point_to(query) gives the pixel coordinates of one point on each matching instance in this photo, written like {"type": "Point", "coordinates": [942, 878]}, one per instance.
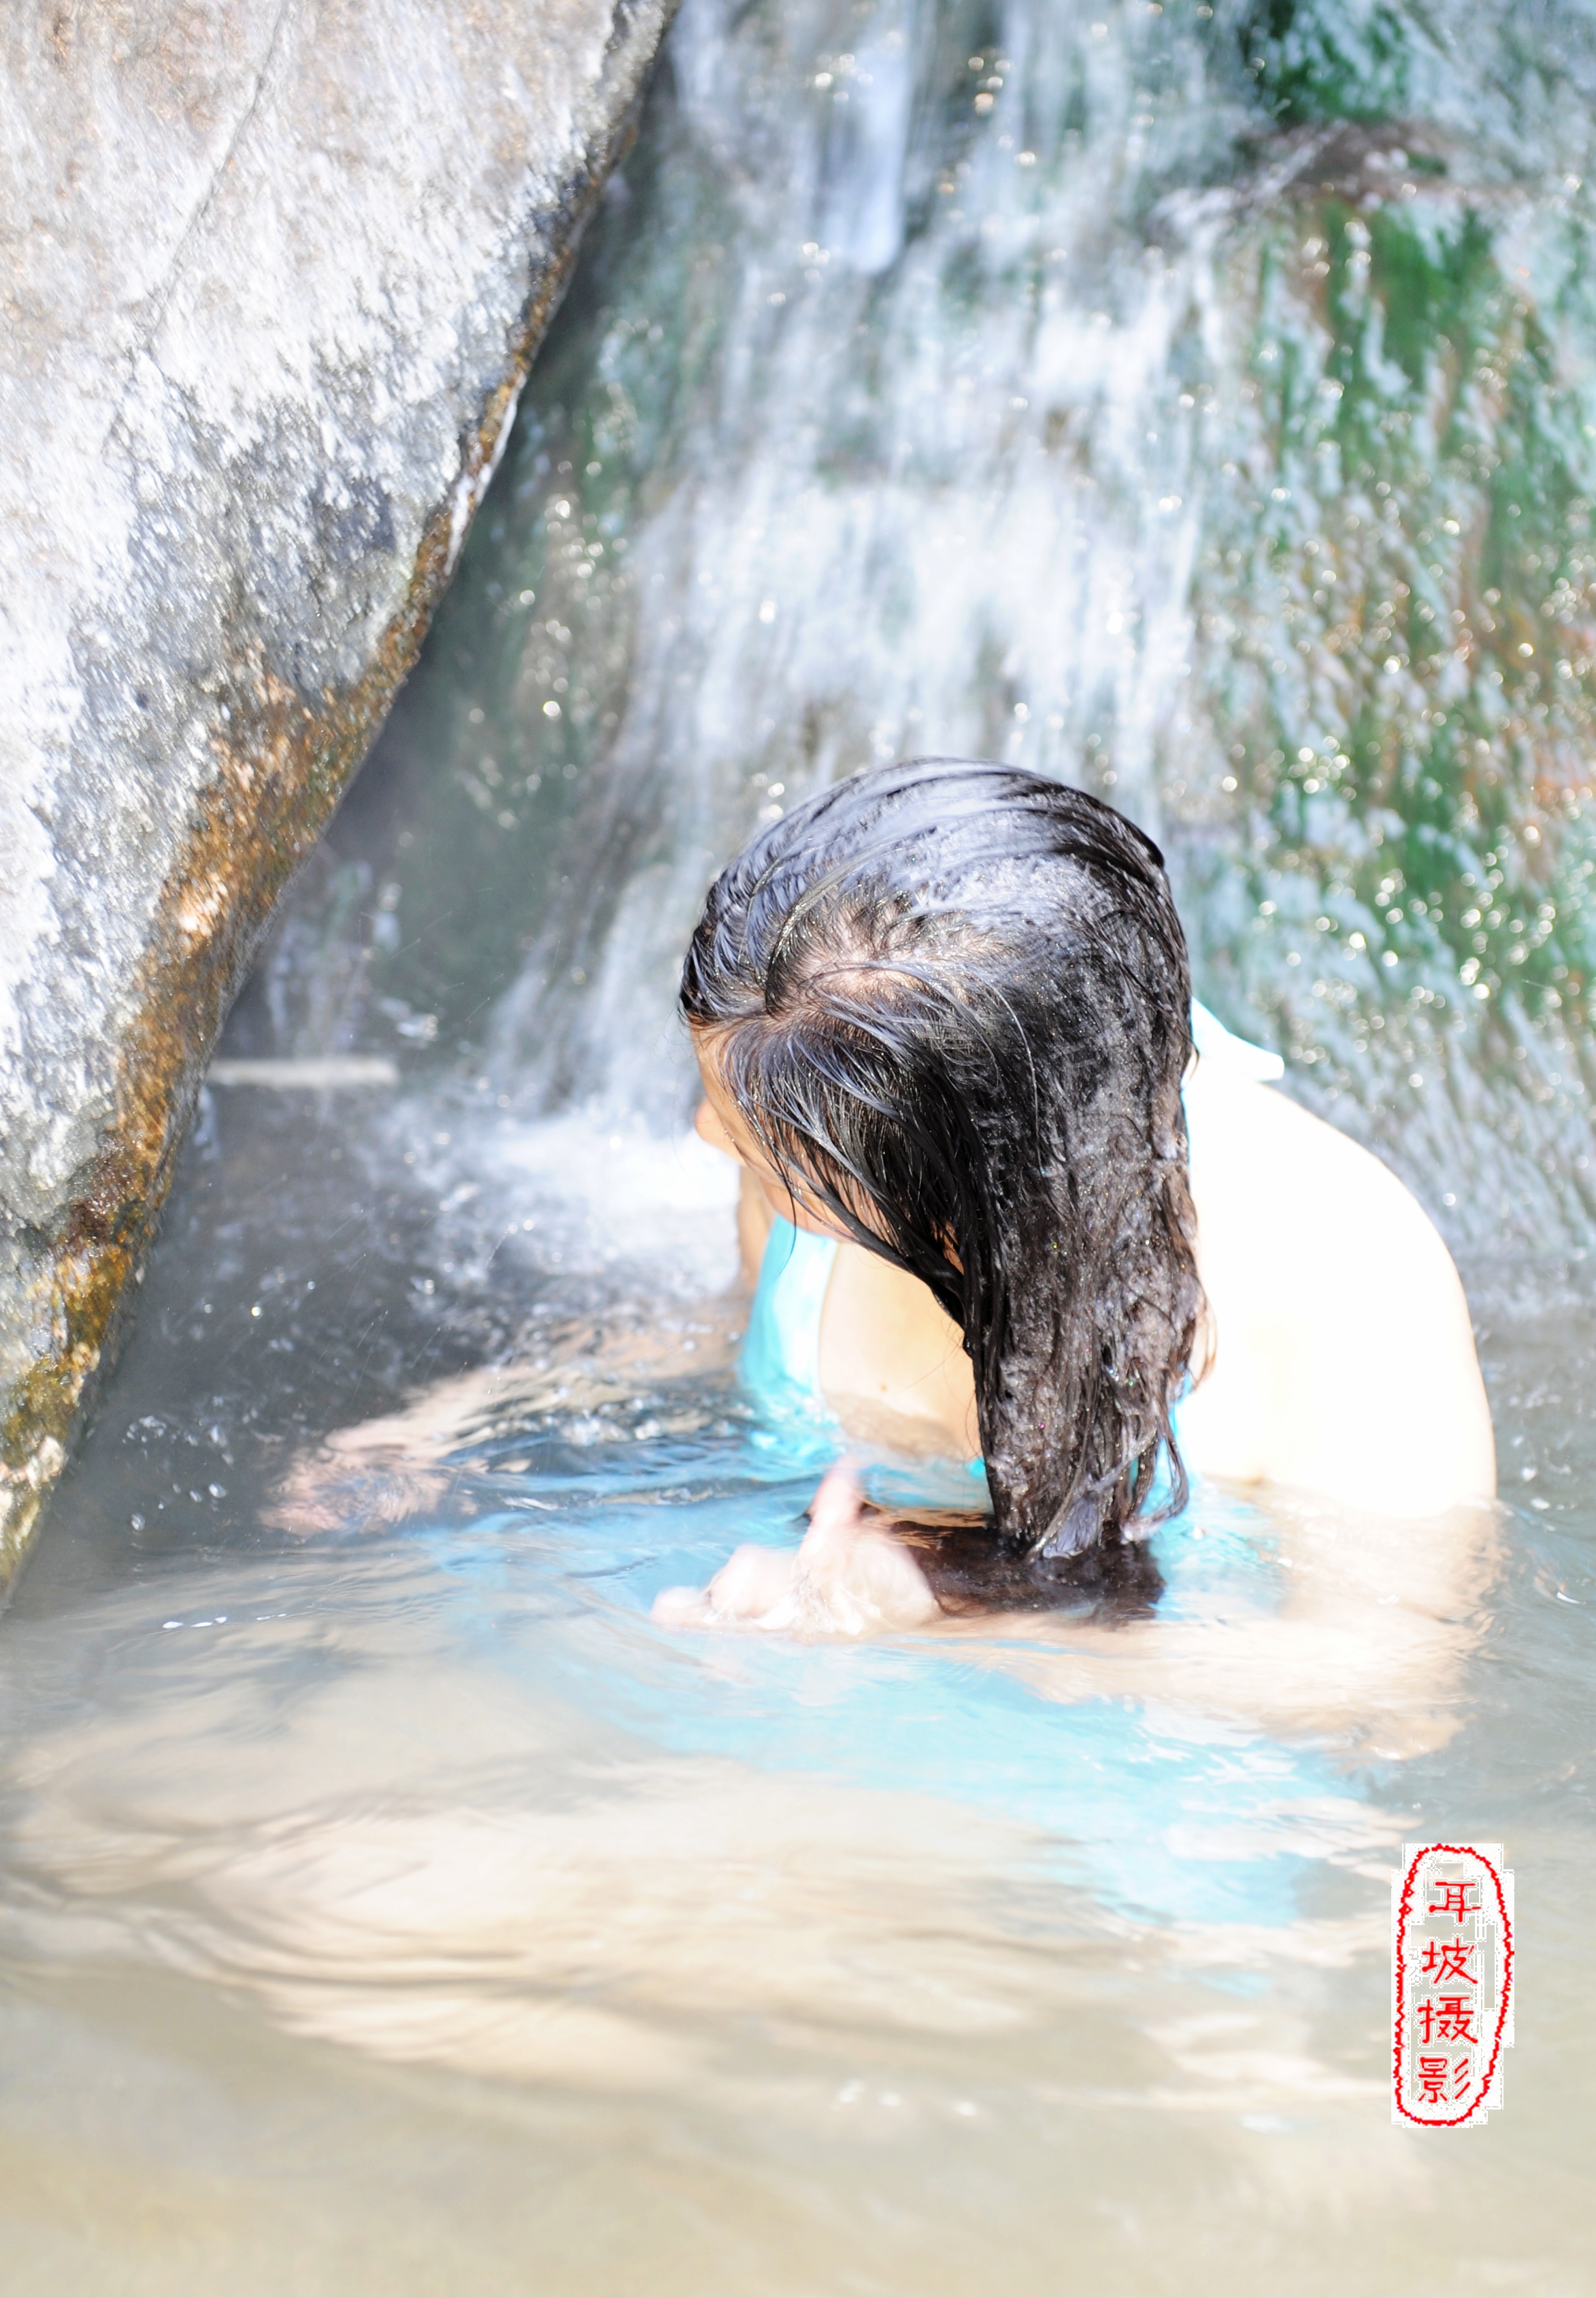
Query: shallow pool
{"type": "Point", "coordinates": [1195, 402]}
{"type": "Point", "coordinates": [394, 1907]}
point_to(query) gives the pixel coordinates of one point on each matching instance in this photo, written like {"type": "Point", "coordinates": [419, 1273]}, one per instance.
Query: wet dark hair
{"type": "Point", "coordinates": [952, 1002]}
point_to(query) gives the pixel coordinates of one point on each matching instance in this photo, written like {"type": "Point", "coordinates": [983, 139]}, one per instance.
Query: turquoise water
{"type": "Point", "coordinates": [395, 1906]}
{"type": "Point", "coordinates": [1125, 1797]}
{"type": "Point", "coordinates": [401, 1903]}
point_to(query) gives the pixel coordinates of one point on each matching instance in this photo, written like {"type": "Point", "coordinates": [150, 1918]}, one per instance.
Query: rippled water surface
{"type": "Point", "coordinates": [1197, 402]}
{"type": "Point", "coordinates": [395, 1903]}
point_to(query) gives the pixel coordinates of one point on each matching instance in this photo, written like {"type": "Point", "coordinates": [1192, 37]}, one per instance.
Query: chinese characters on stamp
{"type": "Point", "coordinates": [1452, 1982]}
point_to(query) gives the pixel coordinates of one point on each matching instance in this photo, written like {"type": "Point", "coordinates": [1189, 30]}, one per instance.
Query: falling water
{"type": "Point", "coordinates": [1198, 403]}
{"type": "Point", "coordinates": [1198, 410]}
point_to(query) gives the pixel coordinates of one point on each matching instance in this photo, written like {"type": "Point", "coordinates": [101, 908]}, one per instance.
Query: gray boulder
{"type": "Point", "coordinates": [273, 275]}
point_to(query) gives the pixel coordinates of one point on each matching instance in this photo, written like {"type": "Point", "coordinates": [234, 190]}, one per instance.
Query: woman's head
{"type": "Point", "coordinates": [951, 1004]}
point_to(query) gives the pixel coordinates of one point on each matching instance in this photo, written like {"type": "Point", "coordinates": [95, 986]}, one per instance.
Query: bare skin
{"type": "Point", "coordinates": [1341, 1371]}
{"type": "Point", "coordinates": [1343, 1389]}
{"type": "Point", "coordinates": [1367, 1646]}
{"type": "Point", "coordinates": [1341, 1357]}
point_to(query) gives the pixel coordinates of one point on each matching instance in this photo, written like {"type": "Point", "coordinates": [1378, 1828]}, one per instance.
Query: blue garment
{"type": "Point", "coordinates": [780, 1363]}
{"type": "Point", "coordinates": [1170, 1810]}
{"type": "Point", "coordinates": [780, 1367]}
{"type": "Point", "coordinates": [1157, 1808]}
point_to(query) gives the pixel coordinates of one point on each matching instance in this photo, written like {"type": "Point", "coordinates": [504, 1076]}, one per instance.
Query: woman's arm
{"type": "Point", "coordinates": [380, 1471]}
{"type": "Point", "coordinates": [1366, 1645]}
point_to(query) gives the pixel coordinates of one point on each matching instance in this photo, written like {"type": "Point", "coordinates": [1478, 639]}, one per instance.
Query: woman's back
{"type": "Point", "coordinates": [942, 1012]}
{"type": "Point", "coordinates": [1341, 1361]}
{"type": "Point", "coordinates": [1342, 1356]}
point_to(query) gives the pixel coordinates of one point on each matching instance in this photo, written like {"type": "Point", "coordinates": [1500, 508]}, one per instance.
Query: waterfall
{"type": "Point", "coordinates": [1195, 403]}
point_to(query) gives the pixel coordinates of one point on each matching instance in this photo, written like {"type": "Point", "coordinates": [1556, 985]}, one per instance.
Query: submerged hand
{"type": "Point", "coordinates": [850, 1577]}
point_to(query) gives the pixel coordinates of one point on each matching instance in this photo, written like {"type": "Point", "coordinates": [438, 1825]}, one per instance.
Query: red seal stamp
{"type": "Point", "coordinates": [1452, 1982]}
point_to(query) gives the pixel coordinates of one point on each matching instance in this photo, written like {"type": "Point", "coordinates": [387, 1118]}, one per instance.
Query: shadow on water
{"type": "Point", "coordinates": [1195, 402]}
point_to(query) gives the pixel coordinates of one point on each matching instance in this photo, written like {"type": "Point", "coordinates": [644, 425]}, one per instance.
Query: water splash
{"type": "Point", "coordinates": [1195, 403]}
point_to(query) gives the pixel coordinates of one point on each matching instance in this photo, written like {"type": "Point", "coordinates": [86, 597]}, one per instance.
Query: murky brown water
{"type": "Point", "coordinates": [398, 1910]}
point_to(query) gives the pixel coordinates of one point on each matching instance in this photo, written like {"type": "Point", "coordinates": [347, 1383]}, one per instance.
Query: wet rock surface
{"type": "Point", "coordinates": [274, 274]}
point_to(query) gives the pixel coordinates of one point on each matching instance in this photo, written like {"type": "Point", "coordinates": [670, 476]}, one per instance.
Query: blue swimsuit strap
{"type": "Point", "coordinates": [781, 1362]}
{"type": "Point", "coordinates": [781, 1355]}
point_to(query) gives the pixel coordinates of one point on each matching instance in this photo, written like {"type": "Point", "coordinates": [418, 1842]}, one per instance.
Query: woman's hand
{"type": "Point", "coordinates": [850, 1577]}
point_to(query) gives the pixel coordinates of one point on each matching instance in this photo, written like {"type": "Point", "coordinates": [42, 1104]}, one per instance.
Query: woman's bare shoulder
{"type": "Point", "coordinates": [892, 1363]}
{"type": "Point", "coordinates": [1345, 1360]}
{"type": "Point", "coordinates": [1259, 1156]}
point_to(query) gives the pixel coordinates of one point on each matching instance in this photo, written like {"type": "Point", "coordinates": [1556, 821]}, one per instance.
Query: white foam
{"type": "Point", "coordinates": [605, 1192]}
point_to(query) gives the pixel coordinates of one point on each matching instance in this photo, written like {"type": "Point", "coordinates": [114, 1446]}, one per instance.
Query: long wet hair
{"type": "Point", "coordinates": [952, 1002]}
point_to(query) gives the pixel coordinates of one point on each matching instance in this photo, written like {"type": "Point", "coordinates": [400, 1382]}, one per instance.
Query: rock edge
{"type": "Point", "coordinates": [246, 443]}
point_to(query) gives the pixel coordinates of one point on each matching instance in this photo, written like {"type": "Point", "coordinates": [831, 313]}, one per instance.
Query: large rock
{"type": "Point", "coordinates": [273, 275]}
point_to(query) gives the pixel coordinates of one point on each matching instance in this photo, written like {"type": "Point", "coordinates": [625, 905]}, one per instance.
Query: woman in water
{"type": "Point", "coordinates": [995, 1211]}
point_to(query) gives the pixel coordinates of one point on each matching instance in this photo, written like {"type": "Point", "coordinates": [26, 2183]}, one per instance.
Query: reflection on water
{"type": "Point", "coordinates": [1195, 402]}
{"type": "Point", "coordinates": [421, 1855]}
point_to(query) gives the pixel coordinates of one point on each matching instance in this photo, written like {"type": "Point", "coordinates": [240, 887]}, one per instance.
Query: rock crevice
{"type": "Point", "coordinates": [276, 275]}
